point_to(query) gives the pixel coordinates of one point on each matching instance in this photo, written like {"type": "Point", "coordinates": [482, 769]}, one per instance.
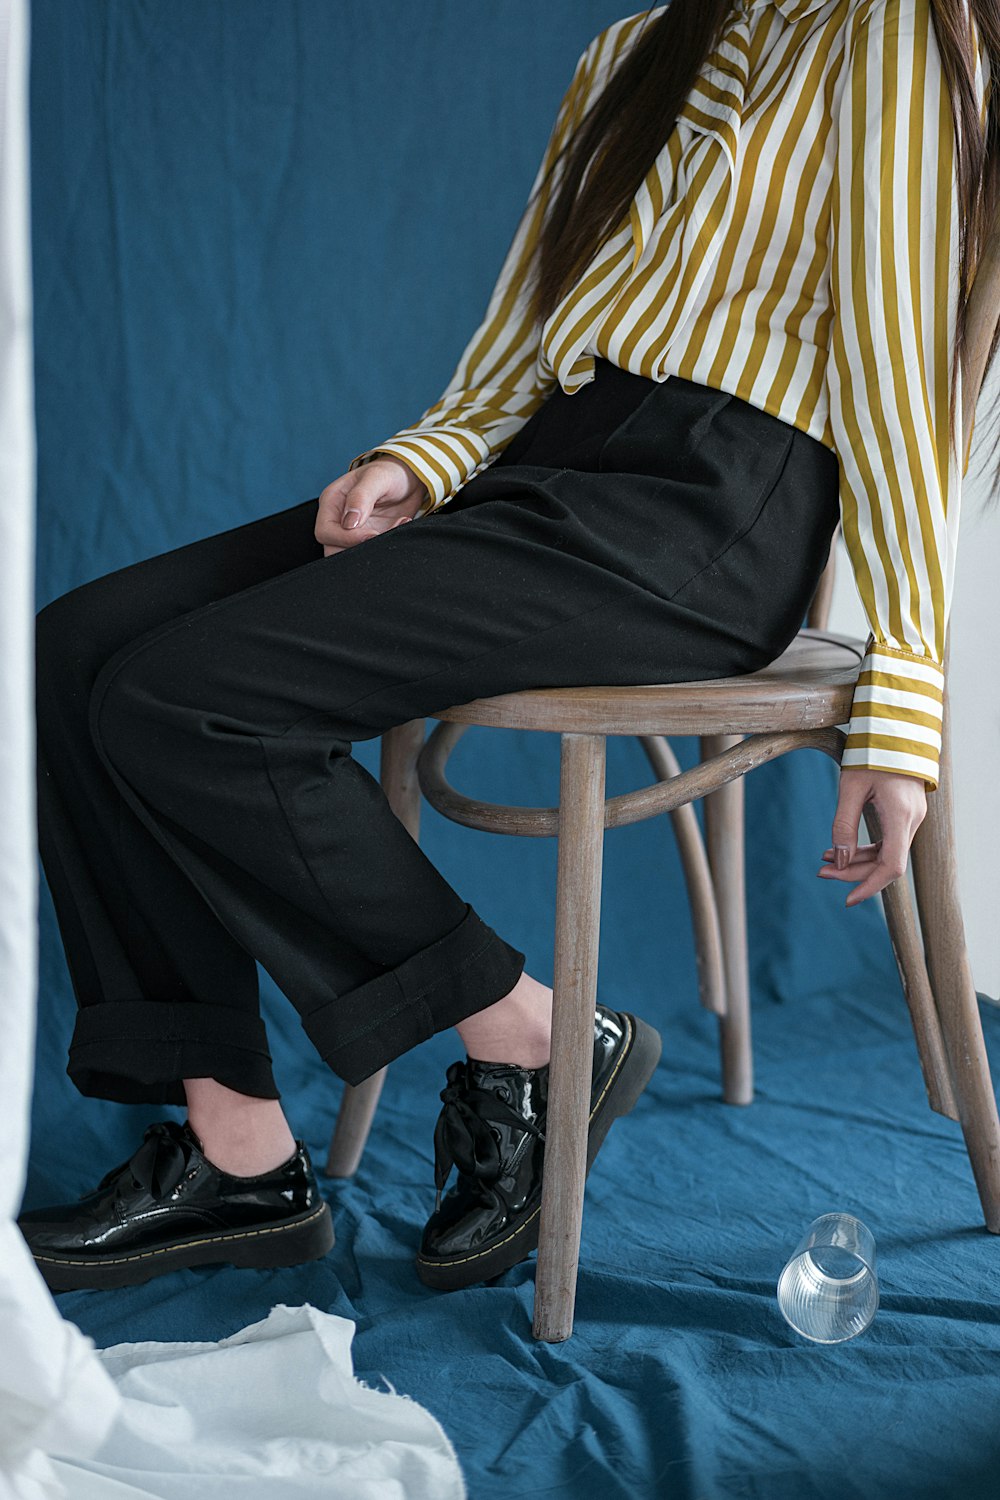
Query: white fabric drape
{"type": "Point", "coordinates": [53, 1388]}
{"type": "Point", "coordinates": [273, 1411]}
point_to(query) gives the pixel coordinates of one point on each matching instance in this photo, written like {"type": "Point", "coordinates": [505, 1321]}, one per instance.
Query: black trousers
{"type": "Point", "coordinates": [200, 809]}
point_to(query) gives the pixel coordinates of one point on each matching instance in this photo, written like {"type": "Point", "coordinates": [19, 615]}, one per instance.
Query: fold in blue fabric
{"type": "Point", "coordinates": [681, 1379]}
{"type": "Point", "coordinates": [260, 242]}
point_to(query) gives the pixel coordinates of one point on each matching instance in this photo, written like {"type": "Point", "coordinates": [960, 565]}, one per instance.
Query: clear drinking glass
{"type": "Point", "coordinates": [828, 1290]}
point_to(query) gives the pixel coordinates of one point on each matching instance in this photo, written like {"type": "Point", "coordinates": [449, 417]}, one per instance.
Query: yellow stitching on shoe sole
{"type": "Point", "coordinates": [422, 1259]}
{"type": "Point", "coordinates": [242, 1234]}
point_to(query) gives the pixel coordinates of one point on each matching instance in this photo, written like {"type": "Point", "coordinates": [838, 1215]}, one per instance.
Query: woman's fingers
{"type": "Point", "coordinates": [901, 804]}
{"type": "Point", "coordinates": [363, 503]}
{"type": "Point", "coordinates": [851, 798]}
{"type": "Point", "coordinates": [862, 853]}
{"type": "Point", "coordinates": [889, 866]}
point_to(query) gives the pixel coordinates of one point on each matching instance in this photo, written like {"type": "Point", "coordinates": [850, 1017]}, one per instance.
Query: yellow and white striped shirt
{"type": "Point", "coordinates": [796, 244]}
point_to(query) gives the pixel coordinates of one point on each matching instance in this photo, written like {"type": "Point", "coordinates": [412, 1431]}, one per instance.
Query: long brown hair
{"type": "Point", "coordinates": [627, 125]}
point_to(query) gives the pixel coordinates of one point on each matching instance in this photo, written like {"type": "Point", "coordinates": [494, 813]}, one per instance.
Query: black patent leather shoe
{"type": "Point", "coordinates": [492, 1127]}
{"type": "Point", "coordinates": [168, 1206]}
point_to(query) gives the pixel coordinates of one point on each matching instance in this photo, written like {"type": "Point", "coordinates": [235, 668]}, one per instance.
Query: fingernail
{"type": "Point", "coordinates": [347, 519]}
{"type": "Point", "coordinates": [841, 856]}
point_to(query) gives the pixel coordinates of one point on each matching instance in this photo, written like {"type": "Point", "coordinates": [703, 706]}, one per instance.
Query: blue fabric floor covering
{"type": "Point", "coordinates": [681, 1380]}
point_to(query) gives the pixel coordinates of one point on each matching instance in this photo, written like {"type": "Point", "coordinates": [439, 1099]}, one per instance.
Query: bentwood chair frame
{"type": "Point", "coordinates": [797, 702]}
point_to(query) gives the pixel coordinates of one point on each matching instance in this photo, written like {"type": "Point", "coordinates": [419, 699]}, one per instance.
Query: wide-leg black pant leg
{"type": "Point", "coordinates": [135, 929]}
{"type": "Point", "coordinates": [685, 545]}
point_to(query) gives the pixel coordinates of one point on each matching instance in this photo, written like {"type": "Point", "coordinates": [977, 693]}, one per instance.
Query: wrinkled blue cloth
{"type": "Point", "coordinates": [260, 242]}
{"type": "Point", "coordinates": [681, 1378]}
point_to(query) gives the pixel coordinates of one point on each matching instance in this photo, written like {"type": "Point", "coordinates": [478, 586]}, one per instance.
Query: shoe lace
{"type": "Point", "coordinates": [159, 1163]}
{"type": "Point", "coordinates": [464, 1138]}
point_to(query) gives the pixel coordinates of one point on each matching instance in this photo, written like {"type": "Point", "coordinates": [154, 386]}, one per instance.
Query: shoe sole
{"type": "Point", "coordinates": [631, 1074]}
{"type": "Point", "coordinates": [286, 1244]}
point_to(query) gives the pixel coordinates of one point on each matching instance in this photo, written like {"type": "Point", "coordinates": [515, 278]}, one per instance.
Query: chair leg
{"type": "Point", "coordinates": [725, 845]}
{"type": "Point", "coordinates": [398, 777]}
{"type": "Point", "coordinates": [578, 910]}
{"type": "Point", "coordinates": [354, 1121]}
{"type": "Point", "coordinates": [901, 920]}
{"type": "Point", "coordinates": [697, 878]}
{"type": "Point", "coordinates": [935, 877]}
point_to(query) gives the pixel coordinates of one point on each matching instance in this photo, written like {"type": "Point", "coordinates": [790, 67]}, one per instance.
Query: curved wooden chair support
{"type": "Point", "coordinates": [741, 722]}
{"type": "Point", "coordinates": [627, 807]}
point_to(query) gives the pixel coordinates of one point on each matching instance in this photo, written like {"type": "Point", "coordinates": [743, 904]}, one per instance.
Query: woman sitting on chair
{"type": "Point", "coordinates": [731, 316]}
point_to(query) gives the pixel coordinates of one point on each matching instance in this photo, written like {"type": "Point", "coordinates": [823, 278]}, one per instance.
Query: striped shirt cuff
{"type": "Point", "coordinates": [444, 465]}
{"type": "Point", "coordinates": [896, 715]}
{"type": "Point", "coordinates": [410, 456]}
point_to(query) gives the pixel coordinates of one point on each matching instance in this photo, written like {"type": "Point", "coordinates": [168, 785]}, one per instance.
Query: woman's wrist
{"type": "Point", "coordinates": [417, 485]}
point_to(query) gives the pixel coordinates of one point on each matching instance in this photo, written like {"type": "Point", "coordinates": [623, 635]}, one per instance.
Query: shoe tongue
{"type": "Point", "coordinates": [491, 1075]}
{"type": "Point", "coordinates": [521, 1089]}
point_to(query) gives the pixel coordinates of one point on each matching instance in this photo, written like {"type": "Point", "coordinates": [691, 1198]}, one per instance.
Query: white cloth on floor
{"type": "Point", "coordinates": [273, 1412]}
{"type": "Point", "coordinates": [51, 1386]}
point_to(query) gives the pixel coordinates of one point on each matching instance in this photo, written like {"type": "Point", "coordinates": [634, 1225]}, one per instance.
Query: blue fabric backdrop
{"type": "Point", "coordinates": [262, 235]}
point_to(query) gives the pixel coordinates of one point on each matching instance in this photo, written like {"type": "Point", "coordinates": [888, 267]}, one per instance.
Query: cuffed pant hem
{"type": "Point", "coordinates": [139, 1051]}
{"type": "Point", "coordinates": [467, 970]}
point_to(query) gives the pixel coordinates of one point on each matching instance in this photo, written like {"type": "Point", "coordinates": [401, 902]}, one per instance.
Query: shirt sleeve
{"type": "Point", "coordinates": [895, 290]}
{"type": "Point", "coordinates": [497, 384]}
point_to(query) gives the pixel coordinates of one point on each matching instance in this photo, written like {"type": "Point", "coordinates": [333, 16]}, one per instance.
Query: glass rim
{"type": "Point", "coordinates": [865, 1251]}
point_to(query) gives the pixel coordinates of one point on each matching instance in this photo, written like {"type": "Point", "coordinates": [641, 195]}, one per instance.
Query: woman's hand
{"type": "Point", "coordinates": [367, 500]}
{"type": "Point", "coordinates": [901, 805]}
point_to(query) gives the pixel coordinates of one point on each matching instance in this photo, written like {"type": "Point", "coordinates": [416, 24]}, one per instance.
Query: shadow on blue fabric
{"type": "Point", "coordinates": [206, 337]}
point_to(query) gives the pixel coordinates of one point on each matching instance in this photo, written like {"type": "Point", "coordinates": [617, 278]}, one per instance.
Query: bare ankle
{"type": "Point", "coordinates": [516, 1029]}
{"type": "Point", "coordinates": [239, 1133]}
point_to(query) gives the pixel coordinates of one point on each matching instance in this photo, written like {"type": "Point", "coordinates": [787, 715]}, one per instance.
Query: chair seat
{"type": "Point", "coordinates": [810, 686]}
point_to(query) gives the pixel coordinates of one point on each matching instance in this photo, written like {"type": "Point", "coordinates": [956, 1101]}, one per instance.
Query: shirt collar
{"type": "Point", "coordinates": [792, 10]}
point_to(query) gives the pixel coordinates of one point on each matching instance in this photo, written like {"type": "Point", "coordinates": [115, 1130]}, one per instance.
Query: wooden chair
{"type": "Point", "coordinates": [797, 702]}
